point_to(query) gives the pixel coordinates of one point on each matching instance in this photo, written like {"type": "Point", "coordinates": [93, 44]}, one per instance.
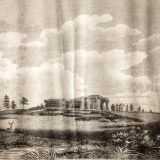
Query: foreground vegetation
{"type": "Point", "coordinates": [132, 143]}
{"type": "Point", "coordinates": [139, 139]}
{"type": "Point", "coordinates": [137, 143]}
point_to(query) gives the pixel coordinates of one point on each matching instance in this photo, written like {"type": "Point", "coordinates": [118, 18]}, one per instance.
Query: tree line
{"type": "Point", "coordinates": [126, 108]}
{"type": "Point", "coordinates": [8, 104]}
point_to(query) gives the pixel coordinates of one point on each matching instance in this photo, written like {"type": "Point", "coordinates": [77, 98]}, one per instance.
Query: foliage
{"type": "Point", "coordinates": [131, 107]}
{"type": "Point", "coordinates": [24, 101]}
{"type": "Point", "coordinates": [136, 143]}
{"type": "Point", "coordinates": [6, 102]}
{"type": "Point", "coordinates": [122, 153]}
{"type": "Point", "coordinates": [13, 105]}
{"type": "Point", "coordinates": [40, 154]}
{"type": "Point", "coordinates": [139, 109]}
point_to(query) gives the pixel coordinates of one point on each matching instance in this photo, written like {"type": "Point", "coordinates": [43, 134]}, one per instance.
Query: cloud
{"type": "Point", "coordinates": [102, 71]}
{"type": "Point", "coordinates": [41, 82]}
{"type": "Point", "coordinates": [89, 21]}
{"type": "Point", "coordinates": [7, 68]}
{"type": "Point", "coordinates": [11, 39]}
{"type": "Point", "coordinates": [85, 32]}
{"type": "Point", "coordinates": [122, 60]}
{"type": "Point", "coordinates": [47, 47]}
{"type": "Point", "coordinates": [119, 31]}
{"type": "Point", "coordinates": [44, 38]}
{"type": "Point", "coordinates": [78, 73]}
{"type": "Point", "coordinates": [148, 67]}
{"type": "Point", "coordinates": [149, 43]}
{"type": "Point", "coordinates": [69, 62]}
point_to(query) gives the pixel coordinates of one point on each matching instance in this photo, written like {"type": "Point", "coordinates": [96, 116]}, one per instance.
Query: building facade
{"type": "Point", "coordinates": [92, 102]}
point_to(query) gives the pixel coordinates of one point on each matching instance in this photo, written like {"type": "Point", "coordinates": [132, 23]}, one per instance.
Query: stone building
{"type": "Point", "coordinates": [92, 102]}
{"type": "Point", "coordinates": [96, 102]}
{"type": "Point", "coordinates": [55, 103]}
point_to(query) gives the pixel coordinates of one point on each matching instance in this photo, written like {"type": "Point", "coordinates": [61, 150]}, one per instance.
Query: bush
{"type": "Point", "coordinates": [138, 141]}
{"type": "Point", "coordinates": [40, 154]}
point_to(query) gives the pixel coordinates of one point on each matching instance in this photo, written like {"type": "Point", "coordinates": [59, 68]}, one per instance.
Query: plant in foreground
{"type": "Point", "coordinates": [138, 142]}
{"type": "Point", "coordinates": [40, 154]}
{"type": "Point", "coordinates": [122, 153]}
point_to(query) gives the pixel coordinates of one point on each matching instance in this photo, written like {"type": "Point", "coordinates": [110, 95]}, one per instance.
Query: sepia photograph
{"type": "Point", "coordinates": [79, 79]}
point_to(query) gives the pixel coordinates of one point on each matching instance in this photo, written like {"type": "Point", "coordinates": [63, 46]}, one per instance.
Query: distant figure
{"type": "Point", "coordinates": [10, 126]}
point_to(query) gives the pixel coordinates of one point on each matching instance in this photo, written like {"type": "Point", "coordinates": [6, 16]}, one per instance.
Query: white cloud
{"type": "Point", "coordinates": [80, 73]}
{"type": "Point", "coordinates": [85, 30]}
{"type": "Point", "coordinates": [119, 31]}
{"type": "Point", "coordinates": [89, 21]}
{"type": "Point", "coordinates": [119, 59]}
{"type": "Point", "coordinates": [101, 72]}
{"type": "Point", "coordinates": [11, 39]}
{"type": "Point", "coordinates": [57, 64]}
{"type": "Point", "coordinates": [45, 33]}
{"type": "Point", "coordinates": [77, 34]}
{"type": "Point", "coordinates": [7, 68]}
{"type": "Point", "coordinates": [37, 44]}
{"type": "Point", "coordinates": [155, 50]}
{"type": "Point", "coordinates": [148, 43]}
{"type": "Point", "coordinates": [38, 83]}
{"type": "Point", "coordinates": [44, 38]}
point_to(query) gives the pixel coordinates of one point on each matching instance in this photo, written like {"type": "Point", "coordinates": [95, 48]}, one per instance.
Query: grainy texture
{"type": "Point", "coordinates": [79, 79]}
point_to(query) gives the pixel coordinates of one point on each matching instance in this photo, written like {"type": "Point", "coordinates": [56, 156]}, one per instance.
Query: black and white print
{"type": "Point", "coordinates": [79, 79]}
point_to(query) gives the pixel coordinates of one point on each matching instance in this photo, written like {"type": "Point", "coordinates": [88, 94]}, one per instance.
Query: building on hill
{"type": "Point", "coordinates": [96, 102]}
{"type": "Point", "coordinates": [92, 102]}
{"type": "Point", "coordinates": [56, 103]}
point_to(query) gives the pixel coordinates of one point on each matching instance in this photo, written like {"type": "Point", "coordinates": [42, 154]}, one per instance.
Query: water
{"type": "Point", "coordinates": [59, 123]}
{"type": "Point", "coordinates": [13, 154]}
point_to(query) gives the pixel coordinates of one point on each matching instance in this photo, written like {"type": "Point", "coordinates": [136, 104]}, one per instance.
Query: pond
{"type": "Point", "coordinates": [15, 154]}
{"type": "Point", "coordinates": [58, 123]}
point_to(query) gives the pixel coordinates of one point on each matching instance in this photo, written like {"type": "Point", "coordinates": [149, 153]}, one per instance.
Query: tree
{"type": "Point", "coordinates": [127, 108]}
{"type": "Point", "coordinates": [131, 107]}
{"type": "Point", "coordinates": [13, 105]}
{"type": "Point", "coordinates": [139, 109]}
{"type": "Point", "coordinates": [121, 107]}
{"type": "Point", "coordinates": [150, 111]}
{"type": "Point", "coordinates": [42, 106]}
{"type": "Point", "coordinates": [6, 102]}
{"type": "Point", "coordinates": [24, 101]}
{"type": "Point", "coordinates": [117, 107]}
{"type": "Point", "coordinates": [112, 107]}
{"type": "Point", "coordinates": [142, 110]}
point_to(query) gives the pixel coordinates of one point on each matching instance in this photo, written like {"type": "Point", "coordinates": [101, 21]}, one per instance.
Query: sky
{"type": "Point", "coordinates": [72, 48]}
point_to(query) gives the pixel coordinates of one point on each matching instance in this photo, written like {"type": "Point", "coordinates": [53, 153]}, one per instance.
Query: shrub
{"type": "Point", "coordinates": [40, 154]}
{"type": "Point", "coordinates": [136, 141]}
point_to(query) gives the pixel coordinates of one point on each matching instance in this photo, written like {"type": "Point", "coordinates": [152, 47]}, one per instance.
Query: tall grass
{"type": "Point", "coordinates": [40, 154]}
